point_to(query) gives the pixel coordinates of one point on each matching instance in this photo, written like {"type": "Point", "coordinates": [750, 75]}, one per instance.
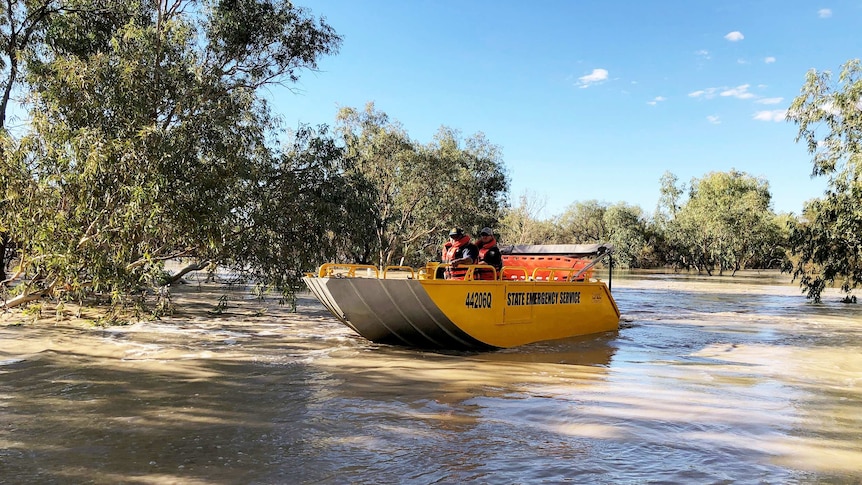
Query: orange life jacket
{"type": "Point", "coordinates": [453, 250]}
{"type": "Point", "coordinates": [486, 274]}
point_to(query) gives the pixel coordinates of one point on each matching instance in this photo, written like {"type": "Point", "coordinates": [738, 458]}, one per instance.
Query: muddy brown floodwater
{"type": "Point", "coordinates": [709, 380]}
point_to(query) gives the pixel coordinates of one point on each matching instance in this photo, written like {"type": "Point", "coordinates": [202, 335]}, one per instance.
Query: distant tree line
{"type": "Point", "coordinates": [720, 223]}
{"type": "Point", "coordinates": [149, 139]}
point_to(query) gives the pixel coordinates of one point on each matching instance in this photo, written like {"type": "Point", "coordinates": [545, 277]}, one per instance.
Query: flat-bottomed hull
{"type": "Point", "coordinates": [456, 314]}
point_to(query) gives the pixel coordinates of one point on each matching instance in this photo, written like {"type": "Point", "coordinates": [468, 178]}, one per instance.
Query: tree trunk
{"type": "Point", "coordinates": [3, 257]}
{"type": "Point", "coordinates": [26, 298]}
{"type": "Point", "coordinates": [188, 269]}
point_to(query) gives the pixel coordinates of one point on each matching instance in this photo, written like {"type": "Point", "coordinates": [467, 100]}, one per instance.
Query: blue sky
{"type": "Point", "coordinates": [590, 99]}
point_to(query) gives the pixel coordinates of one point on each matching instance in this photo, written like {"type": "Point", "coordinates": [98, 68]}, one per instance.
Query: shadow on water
{"type": "Point", "coordinates": [75, 417]}
{"type": "Point", "coordinates": [590, 350]}
{"type": "Point", "coordinates": [71, 419]}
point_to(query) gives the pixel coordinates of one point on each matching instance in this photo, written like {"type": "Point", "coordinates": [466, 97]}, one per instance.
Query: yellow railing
{"type": "Point", "coordinates": [327, 270]}
{"type": "Point", "coordinates": [538, 274]}
{"type": "Point", "coordinates": [471, 268]}
{"type": "Point", "coordinates": [431, 270]}
{"type": "Point", "coordinates": [514, 273]}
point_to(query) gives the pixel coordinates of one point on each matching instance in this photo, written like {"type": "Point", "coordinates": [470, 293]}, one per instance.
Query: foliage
{"type": "Point", "coordinates": [22, 25]}
{"type": "Point", "coordinates": [410, 194]}
{"type": "Point", "coordinates": [583, 222]}
{"type": "Point", "coordinates": [620, 224]}
{"type": "Point", "coordinates": [828, 241]}
{"type": "Point", "coordinates": [726, 223]}
{"type": "Point", "coordinates": [628, 234]}
{"type": "Point", "coordinates": [522, 224]}
{"type": "Point", "coordinates": [299, 212]}
{"type": "Point", "coordinates": [669, 200]}
{"type": "Point", "coordinates": [150, 141]}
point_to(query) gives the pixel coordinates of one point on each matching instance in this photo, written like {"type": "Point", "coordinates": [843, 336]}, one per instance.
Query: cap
{"type": "Point", "coordinates": [486, 231]}
{"type": "Point", "coordinates": [456, 231]}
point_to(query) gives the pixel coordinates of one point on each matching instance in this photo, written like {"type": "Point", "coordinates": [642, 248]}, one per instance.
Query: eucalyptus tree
{"type": "Point", "coordinates": [301, 213]}
{"type": "Point", "coordinates": [671, 193]}
{"type": "Point", "coordinates": [474, 188]}
{"type": "Point", "coordinates": [150, 140]}
{"type": "Point", "coordinates": [22, 24]}
{"type": "Point", "coordinates": [388, 163]}
{"type": "Point", "coordinates": [627, 228]}
{"type": "Point", "coordinates": [583, 222]}
{"type": "Point", "coordinates": [413, 192]}
{"type": "Point", "coordinates": [523, 223]}
{"type": "Point", "coordinates": [828, 242]}
{"type": "Point", "coordinates": [620, 224]}
{"type": "Point", "coordinates": [726, 223]}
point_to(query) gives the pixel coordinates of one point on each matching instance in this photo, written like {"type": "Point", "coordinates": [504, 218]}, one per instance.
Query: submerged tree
{"type": "Point", "coordinates": [628, 233]}
{"type": "Point", "coordinates": [150, 140]}
{"type": "Point", "coordinates": [828, 242]}
{"type": "Point", "coordinates": [726, 224]}
{"type": "Point", "coordinates": [22, 25]}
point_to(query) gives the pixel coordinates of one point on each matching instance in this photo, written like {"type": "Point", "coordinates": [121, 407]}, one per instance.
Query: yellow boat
{"type": "Point", "coordinates": [544, 292]}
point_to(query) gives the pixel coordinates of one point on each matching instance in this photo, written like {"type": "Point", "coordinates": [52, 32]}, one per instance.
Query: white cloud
{"type": "Point", "coordinates": [707, 93]}
{"type": "Point", "coordinates": [656, 100]}
{"type": "Point", "coordinates": [773, 115]}
{"type": "Point", "coordinates": [734, 36]}
{"type": "Point", "coordinates": [703, 53]}
{"type": "Point", "coordinates": [824, 13]}
{"type": "Point", "coordinates": [769, 60]}
{"type": "Point", "coordinates": [597, 76]}
{"type": "Point", "coordinates": [769, 100]}
{"type": "Point", "coordinates": [713, 119]}
{"type": "Point", "coordinates": [739, 92]}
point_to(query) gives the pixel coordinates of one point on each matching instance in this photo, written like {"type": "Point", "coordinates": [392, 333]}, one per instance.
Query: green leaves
{"type": "Point", "coordinates": [828, 241]}
{"type": "Point", "coordinates": [726, 224]}
{"type": "Point", "coordinates": [408, 194]}
{"type": "Point", "coordinates": [254, 42]}
{"type": "Point", "coordinates": [149, 141]}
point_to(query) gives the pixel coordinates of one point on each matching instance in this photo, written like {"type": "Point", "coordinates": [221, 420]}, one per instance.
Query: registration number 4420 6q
{"type": "Point", "coordinates": [478, 299]}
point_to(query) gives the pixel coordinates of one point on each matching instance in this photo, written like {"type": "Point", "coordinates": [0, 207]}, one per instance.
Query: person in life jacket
{"type": "Point", "coordinates": [458, 252]}
{"type": "Point", "coordinates": [489, 253]}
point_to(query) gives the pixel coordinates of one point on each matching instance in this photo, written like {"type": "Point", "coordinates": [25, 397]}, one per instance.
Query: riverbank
{"type": "Point", "coordinates": [189, 300]}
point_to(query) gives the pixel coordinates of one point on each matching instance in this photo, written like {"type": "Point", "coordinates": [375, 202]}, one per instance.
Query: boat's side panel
{"type": "Point", "coordinates": [467, 314]}
{"type": "Point", "coordinates": [507, 314]}
{"type": "Point", "coordinates": [391, 311]}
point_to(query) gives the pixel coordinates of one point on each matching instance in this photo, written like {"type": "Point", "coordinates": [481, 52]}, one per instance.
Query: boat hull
{"type": "Point", "coordinates": [467, 315]}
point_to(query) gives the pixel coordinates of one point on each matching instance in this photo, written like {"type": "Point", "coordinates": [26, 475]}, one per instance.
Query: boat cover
{"type": "Point", "coordinates": [570, 250]}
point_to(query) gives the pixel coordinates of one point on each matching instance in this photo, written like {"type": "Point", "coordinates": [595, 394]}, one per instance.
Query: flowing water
{"type": "Point", "coordinates": [709, 380]}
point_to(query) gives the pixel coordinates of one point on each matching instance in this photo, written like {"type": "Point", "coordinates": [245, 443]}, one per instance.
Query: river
{"type": "Point", "coordinates": [708, 380]}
